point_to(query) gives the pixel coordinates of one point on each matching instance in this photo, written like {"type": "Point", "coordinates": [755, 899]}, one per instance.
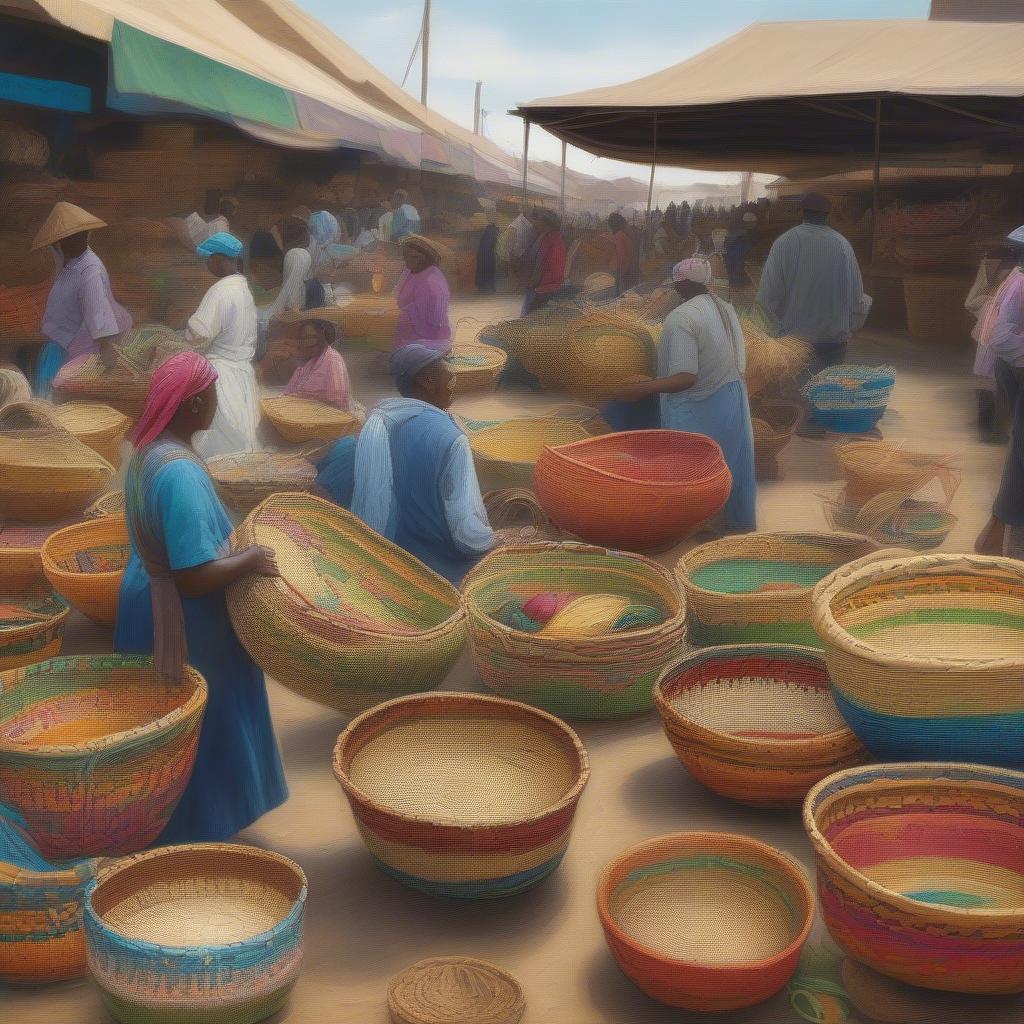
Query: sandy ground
{"type": "Point", "coordinates": [362, 928]}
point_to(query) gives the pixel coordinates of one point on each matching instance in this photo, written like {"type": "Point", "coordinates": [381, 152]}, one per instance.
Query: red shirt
{"type": "Point", "coordinates": [623, 252]}
{"type": "Point", "coordinates": [551, 259]}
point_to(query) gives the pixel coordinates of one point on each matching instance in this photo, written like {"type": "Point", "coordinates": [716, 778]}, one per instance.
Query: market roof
{"type": "Point", "coordinates": [800, 96]}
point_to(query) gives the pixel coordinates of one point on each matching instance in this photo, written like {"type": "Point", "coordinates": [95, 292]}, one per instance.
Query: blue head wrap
{"type": "Point", "coordinates": [410, 361]}
{"type": "Point", "coordinates": [222, 243]}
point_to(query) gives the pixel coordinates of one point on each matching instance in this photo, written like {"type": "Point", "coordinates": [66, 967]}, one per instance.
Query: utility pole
{"type": "Point", "coordinates": [425, 53]}
{"type": "Point", "coordinates": [476, 109]}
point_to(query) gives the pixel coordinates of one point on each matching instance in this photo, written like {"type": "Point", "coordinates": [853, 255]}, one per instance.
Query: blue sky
{"type": "Point", "coordinates": [524, 49]}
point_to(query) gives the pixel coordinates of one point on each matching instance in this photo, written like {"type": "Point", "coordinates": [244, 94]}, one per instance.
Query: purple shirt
{"type": "Point", "coordinates": [423, 309]}
{"type": "Point", "coordinates": [81, 308]}
{"type": "Point", "coordinates": [1002, 330]}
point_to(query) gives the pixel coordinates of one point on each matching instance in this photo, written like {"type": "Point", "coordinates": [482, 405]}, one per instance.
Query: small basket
{"type": "Point", "coordinates": [245, 479]}
{"type": "Point", "coordinates": [850, 399]}
{"type": "Point", "coordinates": [874, 467]}
{"type": "Point", "coordinates": [110, 504]}
{"type": "Point", "coordinates": [774, 424]}
{"type": "Point", "coordinates": [455, 990]}
{"type": "Point", "coordinates": [100, 427]}
{"type": "Point", "coordinates": [507, 451]}
{"type": "Point", "coordinates": [475, 368]}
{"type": "Point", "coordinates": [301, 420]}
{"type": "Point", "coordinates": [515, 511]}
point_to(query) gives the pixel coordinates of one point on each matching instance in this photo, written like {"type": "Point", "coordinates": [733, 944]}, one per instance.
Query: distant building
{"type": "Point", "coordinates": [977, 10]}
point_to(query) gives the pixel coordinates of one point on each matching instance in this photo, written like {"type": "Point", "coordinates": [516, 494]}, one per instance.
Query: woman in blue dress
{"type": "Point", "coordinates": [172, 604]}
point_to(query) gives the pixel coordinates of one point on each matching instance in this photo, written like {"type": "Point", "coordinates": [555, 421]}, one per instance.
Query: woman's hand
{"type": "Point", "coordinates": [264, 560]}
{"type": "Point", "coordinates": [108, 354]}
{"type": "Point", "coordinates": [633, 390]}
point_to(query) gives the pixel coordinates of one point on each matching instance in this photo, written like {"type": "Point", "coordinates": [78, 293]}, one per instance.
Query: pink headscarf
{"type": "Point", "coordinates": [182, 377]}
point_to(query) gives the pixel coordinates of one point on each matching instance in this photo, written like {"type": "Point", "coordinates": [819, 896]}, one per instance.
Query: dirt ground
{"type": "Point", "coordinates": [362, 928]}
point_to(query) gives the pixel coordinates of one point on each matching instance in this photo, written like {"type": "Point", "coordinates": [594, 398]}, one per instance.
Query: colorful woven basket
{"type": "Point", "coordinates": [774, 424]}
{"type": "Point", "coordinates": [850, 399]}
{"type": "Point", "coordinates": [507, 451]}
{"type": "Point", "coordinates": [300, 420]}
{"type": "Point", "coordinates": [920, 873]}
{"type": "Point", "coordinates": [96, 750]}
{"type": "Point", "coordinates": [875, 467]}
{"type": "Point", "coordinates": [475, 368]}
{"type": "Point", "coordinates": [353, 619]}
{"type": "Point", "coordinates": [894, 519]}
{"type": "Point", "coordinates": [210, 933]}
{"type": "Point", "coordinates": [31, 620]}
{"type": "Point", "coordinates": [20, 547]}
{"type": "Point", "coordinates": [706, 921]}
{"type": "Point", "coordinates": [926, 655]}
{"type": "Point", "coordinates": [755, 723]}
{"type": "Point", "coordinates": [85, 563]}
{"type": "Point", "coordinates": [461, 795]}
{"type": "Point", "coordinates": [100, 427]}
{"type": "Point", "coordinates": [602, 676]}
{"type": "Point", "coordinates": [245, 479]}
{"type": "Point", "coordinates": [455, 990]}
{"type": "Point", "coordinates": [636, 490]}
{"type": "Point", "coordinates": [757, 587]}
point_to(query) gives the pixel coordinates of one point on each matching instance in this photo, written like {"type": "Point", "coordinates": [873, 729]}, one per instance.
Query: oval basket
{"type": "Point", "coordinates": [31, 622]}
{"type": "Point", "coordinates": [300, 420]}
{"type": "Point", "coordinates": [475, 368]}
{"type": "Point", "coordinates": [100, 427]}
{"type": "Point", "coordinates": [455, 990]}
{"type": "Point", "coordinates": [508, 451]}
{"type": "Point", "coordinates": [20, 549]}
{"type": "Point", "coordinates": [603, 676]}
{"type": "Point", "coordinates": [245, 479]}
{"type": "Point", "coordinates": [489, 817]}
{"type": "Point", "coordinates": [850, 399]}
{"type": "Point", "coordinates": [319, 630]}
{"type": "Point", "coordinates": [206, 932]}
{"type": "Point", "coordinates": [876, 467]}
{"type": "Point", "coordinates": [83, 739]}
{"type": "Point", "coordinates": [920, 874]}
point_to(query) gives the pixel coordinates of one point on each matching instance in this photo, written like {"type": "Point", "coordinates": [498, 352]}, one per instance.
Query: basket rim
{"type": "Point", "coordinates": [473, 433]}
{"type": "Point", "coordinates": [469, 961]}
{"type": "Point", "coordinates": [271, 403]}
{"type": "Point", "coordinates": [567, 800]}
{"type": "Point", "coordinates": [787, 864]}
{"type": "Point", "coordinates": [111, 519]}
{"type": "Point", "coordinates": [926, 771]}
{"type": "Point", "coordinates": [11, 634]}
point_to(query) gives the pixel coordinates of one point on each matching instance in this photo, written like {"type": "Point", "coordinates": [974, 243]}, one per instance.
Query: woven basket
{"type": "Point", "coordinates": [373, 317]}
{"type": "Point", "coordinates": [489, 817]}
{"type": "Point", "coordinates": [20, 546]}
{"type": "Point", "coordinates": [207, 932]}
{"type": "Point", "coordinates": [636, 490]}
{"type": "Point", "coordinates": [95, 751]}
{"type": "Point", "coordinates": [245, 479]}
{"type": "Point", "coordinates": [779, 614]}
{"type": "Point", "coordinates": [774, 424]}
{"type": "Point", "coordinates": [300, 420]}
{"type": "Point", "coordinates": [85, 564]}
{"type": "Point", "coordinates": [926, 654]}
{"type": "Point", "coordinates": [21, 310]}
{"type": "Point", "coordinates": [100, 427]}
{"type": "Point", "coordinates": [475, 368]}
{"type": "Point", "coordinates": [110, 504]}
{"type": "Point", "coordinates": [892, 518]}
{"type": "Point", "coordinates": [850, 399]}
{"type": "Point", "coordinates": [86, 378]}
{"type": "Point", "coordinates": [706, 921]}
{"type": "Point", "coordinates": [873, 467]}
{"type": "Point", "coordinates": [771, 360]}
{"type": "Point", "coordinates": [31, 621]}
{"type": "Point", "coordinates": [755, 723]}
{"type": "Point", "coordinates": [920, 873]}
{"type": "Point", "coordinates": [455, 990]}
{"type": "Point", "coordinates": [605, 349]}
{"type": "Point", "coordinates": [319, 630]}
{"type": "Point", "coordinates": [604, 676]}
{"type": "Point", "coordinates": [508, 451]}
{"type": "Point", "coordinates": [514, 512]}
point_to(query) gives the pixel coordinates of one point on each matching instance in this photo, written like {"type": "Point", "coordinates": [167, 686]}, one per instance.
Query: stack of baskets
{"type": "Point", "coordinates": [850, 399]}
{"type": "Point", "coordinates": [245, 479]}
{"type": "Point", "coordinates": [303, 420]}
{"type": "Point", "coordinates": [101, 427]}
{"type": "Point", "coordinates": [774, 424]}
{"type": "Point", "coordinates": [31, 620]}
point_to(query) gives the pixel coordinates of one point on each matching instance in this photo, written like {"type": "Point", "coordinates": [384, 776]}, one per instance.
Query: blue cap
{"type": "Point", "coordinates": [409, 361]}
{"type": "Point", "coordinates": [222, 243]}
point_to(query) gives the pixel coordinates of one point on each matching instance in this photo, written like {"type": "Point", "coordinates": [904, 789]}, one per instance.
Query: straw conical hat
{"type": "Point", "coordinates": [65, 220]}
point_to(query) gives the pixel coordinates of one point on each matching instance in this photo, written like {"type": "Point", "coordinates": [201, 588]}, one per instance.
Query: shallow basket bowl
{"type": "Point", "coordinates": [706, 921]}
{"type": "Point", "coordinates": [755, 723]}
{"type": "Point", "coordinates": [299, 420]}
{"type": "Point", "coordinates": [85, 563]}
{"type": "Point", "coordinates": [20, 549]}
{"type": "Point", "coordinates": [920, 873]}
{"type": "Point", "coordinates": [462, 795]}
{"type": "Point", "coordinates": [87, 380]}
{"type": "Point", "coordinates": [101, 427]}
{"type": "Point", "coordinates": [508, 451]}
{"type": "Point", "coordinates": [33, 619]}
{"type": "Point", "coordinates": [636, 490]}
{"type": "Point", "coordinates": [778, 615]}
{"type": "Point", "coordinates": [95, 751]}
{"type": "Point", "coordinates": [319, 631]}
{"type": "Point", "coordinates": [245, 479]}
{"type": "Point", "coordinates": [926, 656]}
{"type": "Point", "coordinates": [204, 933]}
{"type": "Point", "coordinates": [475, 368]}
{"type": "Point", "coordinates": [605, 676]}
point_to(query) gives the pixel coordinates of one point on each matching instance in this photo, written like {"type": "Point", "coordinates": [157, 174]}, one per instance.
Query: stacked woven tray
{"type": "Point", "coordinates": [850, 399]}
{"type": "Point", "coordinates": [245, 479]}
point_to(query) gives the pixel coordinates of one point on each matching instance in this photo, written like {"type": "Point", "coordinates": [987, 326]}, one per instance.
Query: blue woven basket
{"type": "Point", "coordinates": [850, 399]}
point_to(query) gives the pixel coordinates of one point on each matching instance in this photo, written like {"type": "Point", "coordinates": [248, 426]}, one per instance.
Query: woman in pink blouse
{"type": "Point", "coordinates": [323, 375]}
{"type": "Point", "coordinates": [422, 293]}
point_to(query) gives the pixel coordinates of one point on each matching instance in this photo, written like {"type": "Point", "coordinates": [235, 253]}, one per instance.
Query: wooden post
{"type": "Point", "coordinates": [876, 179]}
{"type": "Point", "coordinates": [526, 163]}
{"type": "Point", "coordinates": [561, 203]}
{"type": "Point", "coordinates": [476, 109]}
{"type": "Point", "coordinates": [425, 53]}
{"type": "Point", "coordinates": [648, 234]}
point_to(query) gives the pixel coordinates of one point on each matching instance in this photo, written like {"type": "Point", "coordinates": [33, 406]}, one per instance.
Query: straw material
{"type": "Point", "coordinates": [755, 723]}
{"type": "Point", "coordinates": [774, 424]}
{"type": "Point", "coordinates": [919, 872]}
{"type": "Point", "coordinates": [96, 750]}
{"type": "Point", "coordinates": [514, 512]}
{"type": "Point", "coordinates": [850, 399]}
{"type": "Point", "coordinates": [771, 360]}
{"type": "Point", "coordinates": [926, 654]}
{"type": "Point", "coordinates": [85, 564]}
{"type": "Point", "coordinates": [606, 347]}
{"type": "Point", "coordinates": [300, 420]}
{"type": "Point", "coordinates": [121, 387]}
{"type": "Point", "coordinates": [455, 990]}
{"type": "Point", "coordinates": [21, 310]}
{"type": "Point", "coordinates": [110, 504]}
{"type": "Point", "coordinates": [508, 450]}
{"type": "Point", "coordinates": [206, 931]}
{"type": "Point", "coordinates": [871, 467]}
{"type": "Point", "coordinates": [373, 317]}
{"type": "Point", "coordinates": [636, 490]}
{"type": "Point", "coordinates": [462, 795]}
{"type": "Point", "coordinates": [245, 479]}
{"type": "Point", "coordinates": [20, 544]}
{"type": "Point", "coordinates": [65, 220]}
{"type": "Point", "coordinates": [600, 676]}
{"type": "Point", "coordinates": [475, 367]}
{"type": "Point", "coordinates": [353, 619]}
{"type": "Point", "coordinates": [31, 620]}
{"type": "Point", "coordinates": [706, 921]}
{"type": "Point", "coordinates": [100, 427]}
{"type": "Point", "coordinates": [893, 518]}
{"type": "Point", "coordinates": [14, 386]}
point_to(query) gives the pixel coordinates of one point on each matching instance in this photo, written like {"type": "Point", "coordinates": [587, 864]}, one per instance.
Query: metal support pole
{"type": "Point", "coordinates": [876, 186]}
{"type": "Point", "coordinates": [476, 109]}
{"type": "Point", "coordinates": [425, 53]}
{"type": "Point", "coordinates": [648, 234]}
{"type": "Point", "coordinates": [561, 202]}
{"type": "Point", "coordinates": [526, 162]}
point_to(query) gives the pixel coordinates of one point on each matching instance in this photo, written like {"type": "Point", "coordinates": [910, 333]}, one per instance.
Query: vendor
{"type": "Point", "coordinates": [81, 315]}
{"type": "Point", "coordinates": [406, 220]}
{"type": "Point", "coordinates": [322, 375]}
{"type": "Point", "coordinates": [423, 295]}
{"type": "Point", "coordinates": [621, 253]}
{"type": "Point", "coordinates": [548, 255]}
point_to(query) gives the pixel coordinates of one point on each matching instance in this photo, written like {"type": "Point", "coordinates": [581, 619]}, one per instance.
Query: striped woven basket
{"type": "Point", "coordinates": [706, 921]}
{"type": "Point", "coordinates": [208, 932]}
{"type": "Point", "coordinates": [455, 989]}
{"type": "Point", "coordinates": [100, 427]}
{"type": "Point", "coordinates": [31, 620]}
{"type": "Point", "coordinates": [920, 873]}
{"type": "Point", "coordinates": [774, 424]}
{"type": "Point", "coordinates": [353, 619]}
{"type": "Point", "coordinates": [756, 722]}
{"type": "Point", "coordinates": [926, 654]}
{"type": "Point", "coordinates": [489, 817]}
{"type": "Point", "coordinates": [95, 751]}
{"type": "Point", "coordinates": [758, 587]}
{"type": "Point", "coordinates": [506, 452]}
{"type": "Point", "coordinates": [637, 490]}
{"type": "Point", "coordinates": [301, 420]}
{"type": "Point", "coordinates": [245, 479]}
{"type": "Point", "coordinates": [602, 676]}
{"type": "Point", "coordinates": [850, 399]}
{"type": "Point", "coordinates": [85, 563]}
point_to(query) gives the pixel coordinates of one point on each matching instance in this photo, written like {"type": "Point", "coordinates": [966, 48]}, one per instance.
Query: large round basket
{"type": "Point", "coordinates": [353, 619]}
{"type": "Point", "coordinates": [300, 420]}
{"type": "Point", "coordinates": [755, 723]}
{"type": "Point", "coordinates": [100, 427]}
{"type": "Point", "coordinates": [245, 479]}
{"type": "Point", "coordinates": [85, 563]}
{"type": "Point", "coordinates": [774, 424]}
{"type": "Point", "coordinates": [31, 620]}
{"type": "Point", "coordinates": [926, 656]}
{"type": "Point", "coordinates": [461, 795]}
{"type": "Point", "coordinates": [475, 368]}
{"type": "Point", "coordinates": [585, 676]}
{"type": "Point", "coordinates": [95, 751]}
{"type": "Point", "coordinates": [875, 467]}
{"type": "Point", "coordinates": [706, 921]}
{"type": "Point", "coordinates": [850, 399]}
{"type": "Point", "coordinates": [508, 451]}
{"type": "Point", "coordinates": [455, 990]}
{"type": "Point", "coordinates": [204, 933]}
{"type": "Point", "coordinates": [638, 490]}
{"type": "Point", "coordinates": [605, 349]}
{"type": "Point", "coordinates": [920, 873]}
{"type": "Point", "coordinates": [87, 379]}
{"type": "Point", "coordinates": [757, 587]}
{"type": "Point", "coordinates": [373, 317]}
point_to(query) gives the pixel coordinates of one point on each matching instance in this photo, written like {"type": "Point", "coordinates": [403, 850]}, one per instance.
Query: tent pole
{"type": "Point", "coordinates": [648, 234]}
{"type": "Point", "coordinates": [876, 179]}
{"type": "Point", "coordinates": [561, 199]}
{"type": "Point", "coordinates": [425, 53]}
{"type": "Point", "coordinates": [526, 162]}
